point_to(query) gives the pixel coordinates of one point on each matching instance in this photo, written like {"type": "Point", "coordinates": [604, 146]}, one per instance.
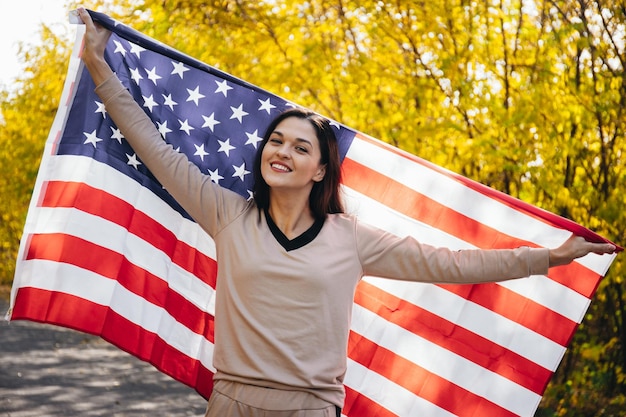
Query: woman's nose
{"type": "Point", "coordinates": [283, 151]}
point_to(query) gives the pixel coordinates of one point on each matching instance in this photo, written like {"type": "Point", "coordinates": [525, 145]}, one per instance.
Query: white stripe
{"type": "Point", "coordinates": [139, 252]}
{"type": "Point", "coordinates": [540, 289]}
{"type": "Point", "coordinates": [444, 363]}
{"type": "Point", "coordinates": [457, 196]}
{"type": "Point", "coordinates": [104, 291]}
{"type": "Point", "coordinates": [68, 279]}
{"type": "Point", "coordinates": [479, 320]}
{"type": "Point", "coordinates": [388, 394]}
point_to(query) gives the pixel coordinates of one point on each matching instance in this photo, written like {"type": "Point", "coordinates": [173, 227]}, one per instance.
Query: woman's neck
{"type": "Point", "coordinates": [292, 216]}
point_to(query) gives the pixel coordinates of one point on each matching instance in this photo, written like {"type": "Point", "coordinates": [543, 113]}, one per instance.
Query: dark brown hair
{"type": "Point", "coordinates": [324, 198]}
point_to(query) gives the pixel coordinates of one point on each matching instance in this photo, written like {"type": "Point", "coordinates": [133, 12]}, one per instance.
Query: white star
{"type": "Point", "coordinates": [101, 109]}
{"type": "Point", "coordinates": [215, 176]}
{"type": "Point", "coordinates": [238, 113]}
{"type": "Point", "coordinates": [240, 171]}
{"type": "Point", "coordinates": [136, 49]}
{"type": "Point", "coordinates": [253, 138]}
{"type": "Point", "coordinates": [153, 76]}
{"type": "Point", "coordinates": [169, 102]}
{"type": "Point", "coordinates": [149, 102]}
{"type": "Point", "coordinates": [134, 74]}
{"type": "Point", "coordinates": [163, 129]}
{"type": "Point", "coordinates": [225, 147]}
{"type": "Point", "coordinates": [91, 138]}
{"type": "Point", "coordinates": [266, 105]}
{"type": "Point", "coordinates": [119, 48]}
{"type": "Point", "coordinates": [210, 121]}
{"type": "Point", "coordinates": [179, 69]}
{"type": "Point", "coordinates": [185, 126]}
{"type": "Point", "coordinates": [117, 134]}
{"type": "Point", "coordinates": [334, 123]}
{"type": "Point", "coordinates": [195, 95]}
{"type": "Point", "coordinates": [250, 195]}
{"type": "Point", "coordinates": [200, 151]}
{"type": "Point", "coordinates": [223, 88]}
{"type": "Point", "coordinates": [132, 160]}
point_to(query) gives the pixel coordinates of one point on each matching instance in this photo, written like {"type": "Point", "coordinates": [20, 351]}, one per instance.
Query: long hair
{"type": "Point", "coordinates": [324, 198]}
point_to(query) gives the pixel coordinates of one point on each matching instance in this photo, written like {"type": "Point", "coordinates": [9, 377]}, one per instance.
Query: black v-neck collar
{"type": "Point", "coordinates": [299, 241]}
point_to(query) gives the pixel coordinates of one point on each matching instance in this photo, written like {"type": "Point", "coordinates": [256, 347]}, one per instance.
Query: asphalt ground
{"type": "Point", "coordinates": [48, 370]}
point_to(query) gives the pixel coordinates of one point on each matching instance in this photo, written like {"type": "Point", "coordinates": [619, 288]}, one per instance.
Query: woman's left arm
{"type": "Point", "coordinates": [386, 255]}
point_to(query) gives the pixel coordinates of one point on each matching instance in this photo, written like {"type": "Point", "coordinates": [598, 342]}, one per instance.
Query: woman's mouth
{"type": "Point", "coordinates": [280, 167]}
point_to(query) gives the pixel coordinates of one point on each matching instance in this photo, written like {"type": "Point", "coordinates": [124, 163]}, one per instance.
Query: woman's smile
{"type": "Point", "coordinates": [280, 167]}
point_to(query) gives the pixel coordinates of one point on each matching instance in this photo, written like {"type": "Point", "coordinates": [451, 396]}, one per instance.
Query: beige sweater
{"type": "Point", "coordinates": [282, 317]}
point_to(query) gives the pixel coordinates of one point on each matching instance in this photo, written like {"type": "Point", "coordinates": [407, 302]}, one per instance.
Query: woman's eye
{"type": "Point", "coordinates": [274, 140]}
{"type": "Point", "coordinates": [302, 149]}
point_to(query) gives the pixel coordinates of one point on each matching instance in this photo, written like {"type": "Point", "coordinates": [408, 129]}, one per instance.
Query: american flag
{"type": "Point", "coordinates": [107, 251]}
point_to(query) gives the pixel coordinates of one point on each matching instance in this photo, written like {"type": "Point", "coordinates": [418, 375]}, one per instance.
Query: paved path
{"type": "Point", "coordinates": [53, 371]}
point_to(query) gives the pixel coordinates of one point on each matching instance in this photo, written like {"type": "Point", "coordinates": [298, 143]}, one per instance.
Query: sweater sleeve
{"type": "Point", "coordinates": [207, 203]}
{"type": "Point", "coordinates": [386, 255]}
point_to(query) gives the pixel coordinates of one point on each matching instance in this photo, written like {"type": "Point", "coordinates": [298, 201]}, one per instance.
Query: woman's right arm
{"type": "Point", "coordinates": [95, 42]}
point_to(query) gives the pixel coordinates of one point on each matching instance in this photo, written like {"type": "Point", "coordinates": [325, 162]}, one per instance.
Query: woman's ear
{"type": "Point", "coordinates": [319, 175]}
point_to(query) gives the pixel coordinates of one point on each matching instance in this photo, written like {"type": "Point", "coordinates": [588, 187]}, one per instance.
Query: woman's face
{"type": "Point", "coordinates": [291, 157]}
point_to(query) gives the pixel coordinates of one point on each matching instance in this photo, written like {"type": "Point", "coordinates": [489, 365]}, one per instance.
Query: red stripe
{"type": "Point", "coordinates": [107, 206]}
{"type": "Point", "coordinates": [421, 382]}
{"type": "Point", "coordinates": [204, 382]}
{"type": "Point", "coordinates": [407, 201]}
{"type": "Point", "coordinates": [58, 308]}
{"type": "Point", "coordinates": [110, 264]}
{"type": "Point", "coordinates": [358, 405]}
{"type": "Point", "coordinates": [83, 315]}
{"type": "Point", "coordinates": [453, 338]}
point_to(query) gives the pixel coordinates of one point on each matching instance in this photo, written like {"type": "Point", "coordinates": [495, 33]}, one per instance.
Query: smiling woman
{"type": "Point", "coordinates": [290, 259]}
{"type": "Point", "coordinates": [293, 297]}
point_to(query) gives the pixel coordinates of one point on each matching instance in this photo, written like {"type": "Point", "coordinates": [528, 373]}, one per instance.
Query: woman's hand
{"type": "Point", "coordinates": [95, 41]}
{"type": "Point", "coordinates": [576, 247]}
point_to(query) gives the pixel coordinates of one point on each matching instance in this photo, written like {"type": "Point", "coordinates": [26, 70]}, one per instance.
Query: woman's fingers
{"type": "Point", "coordinates": [94, 44]}
{"type": "Point", "coordinates": [576, 247]}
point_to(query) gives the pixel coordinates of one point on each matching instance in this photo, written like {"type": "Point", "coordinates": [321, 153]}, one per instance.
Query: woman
{"type": "Point", "coordinates": [290, 260]}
